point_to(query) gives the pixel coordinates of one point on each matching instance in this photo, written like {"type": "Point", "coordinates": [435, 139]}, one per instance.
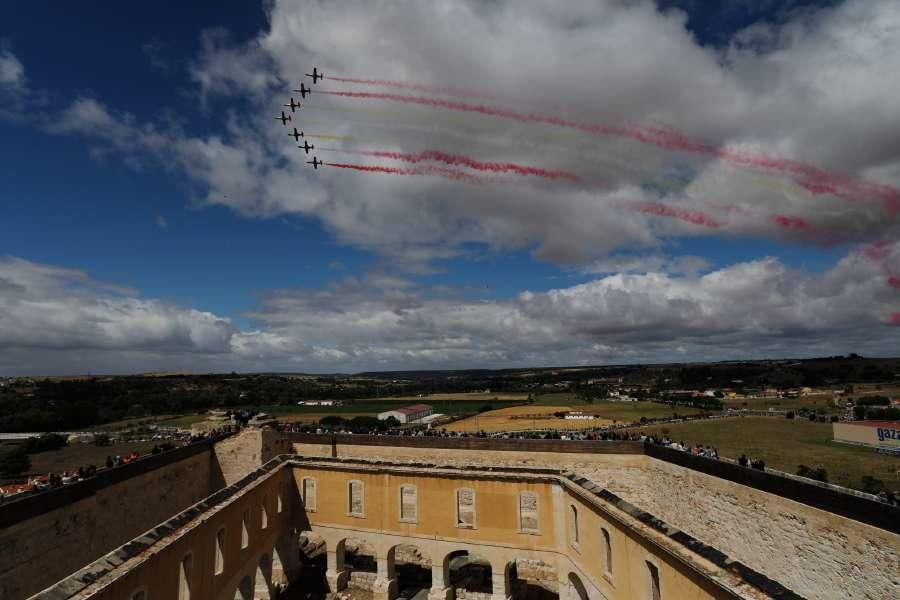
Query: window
{"type": "Point", "coordinates": [465, 507]}
{"type": "Point", "coordinates": [220, 552]}
{"type": "Point", "coordinates": [139, 595]}
{"type": "Point", "coordinates": [245, 531]}
{"type": "Point", "coordinates": [279, 499]}
{"type": "Point", "coordinates": [264, 514]}
{"type": "Point", "coordinates": [607, 550]}
{"type": "Point", "coordinates": [655, 593]}
{"type": "Point", "coordinates": [185, 573]}
{"type": "Point", "coordinates": [355, 493]}
{"type": "Point", "coordinates": [573, 513]}
{"type": "Point", "coordinates": [308, 492]}
{"type": "Point", "coordinates": [408, 503]}
{"type": "Point", "coordinates": [528, 512]}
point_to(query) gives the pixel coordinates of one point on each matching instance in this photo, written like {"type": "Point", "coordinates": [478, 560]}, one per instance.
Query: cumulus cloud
{"type": "Point", "coordinates": [55, 319]}
{"type": "Point", "coordinates": [773, 91]}
{"type": "Point", "coordinates": [52, 314]}
{"type": "Point", "coordinates": [13, 85]}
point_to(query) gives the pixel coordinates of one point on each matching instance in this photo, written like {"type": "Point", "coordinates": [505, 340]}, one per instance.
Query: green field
{"type": "Point", "coordinates": [617, 411]}
{"type": "Point", "coordinates": [373, 407]}
{"type": "Point", "coordinates": [785, 444]}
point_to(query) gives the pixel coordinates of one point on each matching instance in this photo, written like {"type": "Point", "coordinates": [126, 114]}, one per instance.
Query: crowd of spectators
{"type": "Point", "coordinates": [39, 483]}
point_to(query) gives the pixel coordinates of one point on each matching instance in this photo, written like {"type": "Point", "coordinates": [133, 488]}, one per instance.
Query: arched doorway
{"type": "Point", "coordinates": [244, 590]}
{"type": "Point", "coordinates": [359, 556]}
{"type": "Point", "coordinates": [532, 580]}
{"type": "Point", "coordinates": [469, 572]}
{"type": "Point", "coordinates": [412, 568]}
{"type": "Point", "coordinates": [263, 588]}
{"type": "Point", "coordinates": [313, 559]}
{"type": "Point", "coordinates": [578, 591]}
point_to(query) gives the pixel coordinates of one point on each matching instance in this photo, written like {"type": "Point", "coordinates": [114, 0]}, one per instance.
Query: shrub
{"type": "Point", "coordinates": [44, 443]}
{"type": "Point", "coordinates": [818, 473]}
{"type": "Point", "coordinates": [871, 485]}
{"type": "Point", "coordinates": [102, 440]}
{"type": "Point", "coordinates": [14, 462]}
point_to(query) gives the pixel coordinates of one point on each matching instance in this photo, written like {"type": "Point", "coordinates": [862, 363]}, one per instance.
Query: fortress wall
{"type": "Point", "coordinates": [816, 553]}
{"type": "Point", "coordinates": [46, 537]}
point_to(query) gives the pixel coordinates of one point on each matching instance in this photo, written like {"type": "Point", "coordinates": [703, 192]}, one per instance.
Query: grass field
{"type": "Point", "coordinates": [543, 409]}
{"type": "Point", "coordinates": [443, 404]}
{"type": "Point", "coordinates": [785, 444]}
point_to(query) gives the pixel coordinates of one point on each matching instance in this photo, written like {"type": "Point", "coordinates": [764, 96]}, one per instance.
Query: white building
{"type": "Point", "coordinates": [408, 414]}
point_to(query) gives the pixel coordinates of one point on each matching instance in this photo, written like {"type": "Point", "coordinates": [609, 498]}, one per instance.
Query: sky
{"type": "Point", "coordinates": [589, 182]}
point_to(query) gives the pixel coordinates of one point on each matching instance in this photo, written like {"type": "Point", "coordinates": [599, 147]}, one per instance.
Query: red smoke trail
{"type": "Point", "coordinates": [419, 171]}
{"type": "Point", "coordinates": [878, 252]}
{"type": "Point", "coordinates": [788, 222]}
{"type": "Point", "coordinates": [458, 160]}
{"type": "Point", "coordinates": [895, 318]}
{"type": "Point", "coordinates": [417, 87]}
{"type": "Point", "coordinates": [664, 210]}
{"type": "Point", "coordinates": [812, 178]}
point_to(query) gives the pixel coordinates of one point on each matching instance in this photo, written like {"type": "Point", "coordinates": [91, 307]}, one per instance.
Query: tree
{"type": "Point", "coordinates": [102, 440]}
{"type": "Point", "coordinates": [332, 421]}
{"type": "Point", "coordinates": [872, 485]}
{"type": "Point", "coordinates": [818, 473]}
{"type": "Point", "coordinates": [14, 462]}
{"type": "Point", "coordinates": [44, 442]}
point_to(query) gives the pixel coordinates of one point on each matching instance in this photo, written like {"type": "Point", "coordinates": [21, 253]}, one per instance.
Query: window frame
{"type": "Point", "coordinates": [415, 490]}
{"type": "Point", "coordinates": [304, 496]}
{"type": "Point", "coordinates": [362, 499]}
{"type": "Point", "coordinates": [521, 529]}
{"type": "Point", "coordinates": [459, 523]}
{"type": "Point", "coordinates": [219, 551]}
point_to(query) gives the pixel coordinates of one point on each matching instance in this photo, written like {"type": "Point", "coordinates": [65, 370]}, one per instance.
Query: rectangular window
{"type": "Point", "coordinates": [220, 552]}
{"type": "Point", "coordinates": [309, 493]}
{"type": "Point", "coordinates": [408, 503]}
{"type": "Point", "coordinates": [264, 514]}
{"type": "Point", "coordinates": [465, 507]}
{"type": "Point", "coordinates": [245, 531]}
{"type": "Point", "coordinates": [528, 512]}
{"type": "Point", "coordinates": [355, 504]}
{"type": "Point", "coordinates": [185, 573]}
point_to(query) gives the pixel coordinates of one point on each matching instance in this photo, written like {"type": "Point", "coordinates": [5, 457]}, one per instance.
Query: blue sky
{"type": "Point", "coordinates": [154, 219]}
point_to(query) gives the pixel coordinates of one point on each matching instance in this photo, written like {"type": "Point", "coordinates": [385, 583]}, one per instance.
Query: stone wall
{"type": "Point", "coordinates": [86, 520]}
{"type": "Point", "coordinates": [248, 450]}
{"type": "Point", "coordinates": [815, 553]}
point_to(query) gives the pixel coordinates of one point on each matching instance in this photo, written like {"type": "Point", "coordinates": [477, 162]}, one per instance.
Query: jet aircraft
{"type": "Point", "coordinates": [315, 162]}
{"type": "Point", "coordinates": [296, 135]}
{"type": "Point", "coordinates": [283, 118]}
{"type": "Point", "coordinates": [306, 146]}
{"type": "Point", "coordinates": [293, 105]}
{"type": "Point", "coordinates": [316, 75]}
{"type": "Point", "coordinates": [303, 91]}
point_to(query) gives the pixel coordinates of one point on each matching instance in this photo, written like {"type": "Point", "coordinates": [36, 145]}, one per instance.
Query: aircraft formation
{"type": "Point", "coordinates": [295, 106]}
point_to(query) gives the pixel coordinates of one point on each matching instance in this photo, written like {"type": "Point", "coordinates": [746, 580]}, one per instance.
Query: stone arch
{"type": "Point", "coordinates": [244, 590]}
{"type": "Point", "coordinates": [468, 571]}
{"type": "Point", "coordinates": [576, 587]}
{"type": "Point", "coordinates": [360, 555]}
{"type": "Point", "coordinates": [263, 588]}
{"type": "Point", "coordinates": [412, 568]}
{"type": "Point", "coordinates": [534, 579]}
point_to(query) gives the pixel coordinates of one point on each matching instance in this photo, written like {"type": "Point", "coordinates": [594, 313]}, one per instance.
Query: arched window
{"type": "Point", "coordinates": [245, 529]}
{"type": "Point", "coordinates": [141, 594]}
{"type": "Point", "coordinates": [220, 552]}
{"type": "Point", "coordinates": [607, 550]}
{"type": "Point", "coordinates": [308, 493]}
{"type": "Point", "coordinates": [409, 508]}
{"type": "Point", "coordinates": [528, 512]}
{"type": "Point", "coordinates": [653, 572]}
{"type": "Point", "coordinates": [465, 507]}
{"type": "Point", "coordinates": [279, 499]}
{"type": "Point", "coordinates": [356, 498]}
{"type": "Point", "coordinates": [264, 514]}
{"type": "Point", "coordinates": [185, 575]}
{"type": "Point", "coordinates": [573, 517]}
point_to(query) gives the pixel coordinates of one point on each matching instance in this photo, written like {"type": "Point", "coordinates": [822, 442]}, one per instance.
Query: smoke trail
{"type": "Point", "coordinates": [664, 210]}
{"type": "Point", "coordinates": [789, 222]}
{"type": "Point", "coordinates": [417, 87]}
{"type": "Point", "coordinates": [458, 160]}
{"type": "Point", "coordinates": [340, 138]}
{"type": "Point", "coordinates": [895, 318]}
{"type": "Point", "coordinates": [879, 252]}
{"type": "Point", "coordinates": [460, 176]}
{"type": "Point", "coordinates": [812, 178]}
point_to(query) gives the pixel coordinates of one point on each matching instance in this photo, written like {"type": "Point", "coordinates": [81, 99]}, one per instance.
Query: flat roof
{"type": "Point", "coordinates": [415, 408]}
{"type": "Point", "coordinates": [891, 424]}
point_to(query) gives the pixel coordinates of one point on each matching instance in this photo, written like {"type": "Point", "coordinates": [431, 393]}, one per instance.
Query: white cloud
{"type": "Point", "coordinates": [12, 73]}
